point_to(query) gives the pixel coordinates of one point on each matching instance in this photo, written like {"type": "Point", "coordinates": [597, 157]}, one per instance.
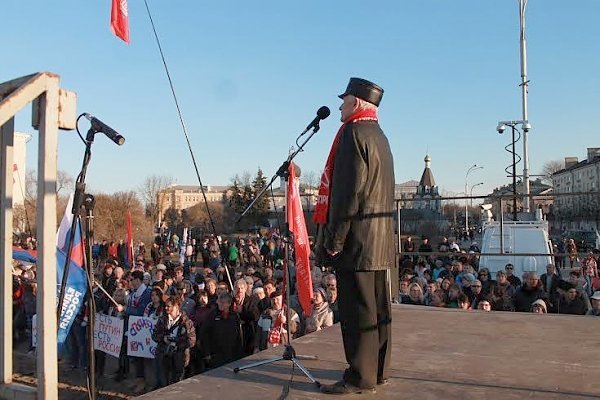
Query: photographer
{"type": "Point", "coordinates": [175, 335]}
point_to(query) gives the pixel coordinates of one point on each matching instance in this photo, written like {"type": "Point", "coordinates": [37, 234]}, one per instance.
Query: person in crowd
{"type": "Point", "coordinates": [504, 285]}
{"type": "Point", "coordinates": [484, 305]}
{"type": "Point", "coordinates": [186, 295]}
{"type": "Point", "coordinates": [178, 274]}
{"type": "Point", "coordinates": [415, 295]}
{"type": "Point", "coordinates": [211, 290]}
{"type": "Point", "coordinates": [159, 273]}
{"type": "Point", "coordinates": [247, 310]}
{"type": "Point", "coordinates": [431, 289]}
{"type": "Point", "coordinates": [147, 279]}
{"type": "Point", "coordinates": [589, 271]}
{"type": "Point", "coordinates": [572, 301]}
{"type": "Point", "coordinates": [550, 283]}
{"type": "Point", "coordinates": [425, 246]}
{"type": "Point", "coordinates": [463, 302]}
{"type": "Point", "coordinates": [203, 313]}
{"type": "Point", "coordinates": [439, 267]}
{"type": "Point", "coordinates": [152, 369]}
{"type": "Point", "coordinates": [595, 299]}
{"type": "Point", "coordinates": [175, 335]}
{"type": "Point", "coordinates": [539, 307]}
{"type": "Point", "coordinates": [408, 246]}
{"type": "Point", "coordinates": [321, 315]}
{"type": "Point", "coordinates": [274, 323]}
{"type": "Point", "coordinates": [437, 299]}
{"type": "Point", "coordinates": [118, 310]}
{"type": "Point", "coordinates": [404, 285]}
{"type": "Point", "coordinates": [485, 279]}
{"type": "Point", "coordinates": [530, 291]}
{"type": "Point", "coordinates": [107, 276]}
{"type": "Point", "coordinates": [332, 300]}
{"type": "Point", "coordinates": [222, 337]}
{"type": "Point", "coordinates": [475, 293]}
{"type": "Point", "coordinates": [572, 251]}
{"type": "Point", "coordinates": [453, 293]}
{"type": "Point", "coordinates": [513, 279]}
{"type": "Point", "coordinates": [269, 287]}
{"type": "Point", "coordinates": [136, 304]}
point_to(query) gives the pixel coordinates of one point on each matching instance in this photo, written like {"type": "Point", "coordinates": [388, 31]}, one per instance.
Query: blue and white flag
{"type": "Point", "coordinates": [76, 287]}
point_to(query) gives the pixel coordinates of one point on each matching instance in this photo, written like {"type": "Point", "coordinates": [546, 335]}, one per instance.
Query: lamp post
{"type": "Point", "coordinates": [471, 169]}
{"type": "Point", "coordinates": [471, 192]}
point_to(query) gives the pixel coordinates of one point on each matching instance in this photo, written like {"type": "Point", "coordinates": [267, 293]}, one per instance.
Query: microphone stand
{"type": "Point", "coordinates": [289, 354]}
{"type": "Point", "coordinates": [81, 199]}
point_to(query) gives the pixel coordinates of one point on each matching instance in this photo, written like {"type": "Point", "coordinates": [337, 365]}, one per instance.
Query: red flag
{"type": "Point", "coordinates": [119, 20]}
{"type": "Point", "coordinates": [297, 224]}
{"type": "Point", "coordinates": [129, 240]}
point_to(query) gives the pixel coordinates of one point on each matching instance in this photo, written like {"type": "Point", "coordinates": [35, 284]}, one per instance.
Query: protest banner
{"type": "Point", "coordinates": [108, 334]}
{"type": "Point", "coordinates": [139, 337]}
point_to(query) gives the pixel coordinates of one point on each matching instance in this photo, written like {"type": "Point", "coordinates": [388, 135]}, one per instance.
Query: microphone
{"type": "Point", "coordinates": [100, 126]}
{"type": "Point", "coordinates": [322, 113]}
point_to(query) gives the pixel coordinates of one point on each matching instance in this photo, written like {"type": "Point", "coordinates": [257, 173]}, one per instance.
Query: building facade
{"type": "Point", "coordinates": [577, 204]}
{"type": "Point", "coordinates": [180, 197]}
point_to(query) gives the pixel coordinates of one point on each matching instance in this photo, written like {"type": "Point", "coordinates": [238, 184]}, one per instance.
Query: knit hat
{"type": "Point", "coordinates": [322, 292]}
{"type": "Point", "coordinates": [542, 303]}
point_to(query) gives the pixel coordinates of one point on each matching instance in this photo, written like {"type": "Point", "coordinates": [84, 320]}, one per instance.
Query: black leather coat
{"type": "Point", "coordinates": [360, 223]}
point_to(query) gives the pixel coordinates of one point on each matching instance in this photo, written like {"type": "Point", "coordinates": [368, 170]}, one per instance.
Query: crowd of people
{"type": "Point", "coordinates": [214, 301]}
{"type": "Point", "coordinates": [203, 321]}
{"type": "Point", "coordinates": [454, 279]}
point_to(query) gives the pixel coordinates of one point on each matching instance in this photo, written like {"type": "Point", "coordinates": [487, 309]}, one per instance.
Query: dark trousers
{"type": "Point", "coordinates": [365, 318]}
{"type": "Point", "coordinates": [172, 366]}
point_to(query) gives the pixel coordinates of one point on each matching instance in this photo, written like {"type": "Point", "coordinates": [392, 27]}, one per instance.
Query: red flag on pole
{"type": "Point", "coordinates": [297, 224]}
{"type": "Point", "coordinates": [129, 240]}
{"type": "Point", "coordinates": [119, 20]}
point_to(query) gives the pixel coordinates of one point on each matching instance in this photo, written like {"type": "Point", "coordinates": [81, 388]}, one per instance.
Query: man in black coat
{"type": "Point", "coordinates": [356, 211]}
{"type": "Point", "coordinates": [531, 291]}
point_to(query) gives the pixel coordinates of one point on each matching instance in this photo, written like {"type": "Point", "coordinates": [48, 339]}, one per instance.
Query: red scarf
{"type": "Point", "coordinates": [322, 208]}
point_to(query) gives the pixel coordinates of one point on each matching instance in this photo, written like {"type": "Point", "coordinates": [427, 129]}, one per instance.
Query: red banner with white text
{"type": "Point", "coordinates": [297, 224]}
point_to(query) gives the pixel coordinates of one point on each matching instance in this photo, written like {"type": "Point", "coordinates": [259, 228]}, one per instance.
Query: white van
{"type": "Point", "coordinates": [529, 237]}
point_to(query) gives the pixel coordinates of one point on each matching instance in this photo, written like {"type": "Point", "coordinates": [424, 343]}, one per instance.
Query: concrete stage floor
{"type": "Point", "coordinates": [437, 354]}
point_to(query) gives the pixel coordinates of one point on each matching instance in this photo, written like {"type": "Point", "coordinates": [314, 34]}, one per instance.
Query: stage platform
{"type": "Point", "coordinates": [437, 354]}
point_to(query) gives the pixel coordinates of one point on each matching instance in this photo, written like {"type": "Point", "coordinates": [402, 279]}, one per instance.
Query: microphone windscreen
{"type": "Point", "coordinates": [323, 112]}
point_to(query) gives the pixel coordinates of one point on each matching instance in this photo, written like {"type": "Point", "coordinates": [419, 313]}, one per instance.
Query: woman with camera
{"type": "Point", "coordinates": [175, 335]}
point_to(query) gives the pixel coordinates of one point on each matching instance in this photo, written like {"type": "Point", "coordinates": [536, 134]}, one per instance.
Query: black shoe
{"type": "Point", "coordinates": [382, 381]}
{"type": "Point", "coordinates": [343, 388]}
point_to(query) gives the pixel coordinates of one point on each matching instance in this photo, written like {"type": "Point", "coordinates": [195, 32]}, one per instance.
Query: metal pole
{"type": "Point", "coordinates": [472, 168]}
{"type": "Point", "coordinates": [514, 174]}
{"type": "Point", "coordinates": [524, 88]}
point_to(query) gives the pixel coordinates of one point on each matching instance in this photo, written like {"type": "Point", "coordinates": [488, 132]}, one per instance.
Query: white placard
{"type": "Point", "coordinates": [139, 337]}
{"type": "Point", "coordinates": [108, 334]}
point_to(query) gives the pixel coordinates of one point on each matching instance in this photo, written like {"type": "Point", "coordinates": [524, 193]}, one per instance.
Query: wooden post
{"type": "Point", "coordinates": [6, 230]}
{"type": "Point", "coordinates": [47, 363]}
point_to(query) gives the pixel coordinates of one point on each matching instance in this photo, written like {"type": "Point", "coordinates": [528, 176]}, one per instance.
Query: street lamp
{"type": "Point", "coordinates": [471, 192]}
{"type": "Point", "coordinates": [472, 168]}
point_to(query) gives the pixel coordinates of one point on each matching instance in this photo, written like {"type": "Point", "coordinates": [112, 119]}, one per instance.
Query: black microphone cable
{"type": "Point", "coordinates": [212, 223]}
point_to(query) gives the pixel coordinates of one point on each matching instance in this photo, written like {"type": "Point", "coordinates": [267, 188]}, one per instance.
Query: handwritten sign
{"type": "Point", "coordinates": [108, 334]}
{"type": "Point", "coordinates": [139, 337]}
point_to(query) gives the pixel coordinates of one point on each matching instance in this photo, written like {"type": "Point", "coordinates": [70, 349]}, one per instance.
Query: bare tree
{"type": "Point", "coordinates": [309, 180]}
{"type": "Point", "coordinates": [149, 191]}
{"type": "Point", "coordinates": [63, 181]}
{"type": "Point", "coordinates": [549, 168]}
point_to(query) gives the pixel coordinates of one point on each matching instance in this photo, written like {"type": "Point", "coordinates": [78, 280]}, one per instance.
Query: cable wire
{"type": "Point", "coordinates": [181, 118]}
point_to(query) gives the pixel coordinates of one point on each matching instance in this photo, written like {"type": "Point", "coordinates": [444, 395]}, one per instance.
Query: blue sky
{"type": "Point", "coordinates": [251, 75]}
